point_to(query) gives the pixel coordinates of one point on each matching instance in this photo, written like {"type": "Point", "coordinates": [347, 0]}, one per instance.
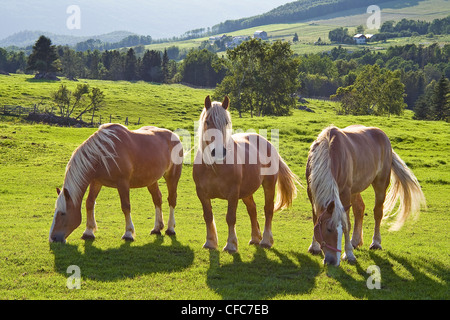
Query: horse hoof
{"type": "Point", "coordinates": [209, 246]}
{"type": "Point", "coordinates": [265, 245]}
{"type": "Point", "coordinates": [90, 237]}
{"type": "Point", "coordinates": [170, 232]}
{"type": "Point", "coordinates": [230, 250]}
{"type": "Point", "coordinates": [375, 246]}
{"type": "Point", "coordinates": [157, 232]}
{"type": "Point", "coordinates": [349, 258]}
{"type": "Point", "coordinates": [254, 242]}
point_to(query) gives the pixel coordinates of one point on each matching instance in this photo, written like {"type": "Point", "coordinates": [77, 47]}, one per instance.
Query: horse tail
{"type": "Point", "coordinates": [404, 186]}
{"type": "Point", "coordinates": [286, 188]}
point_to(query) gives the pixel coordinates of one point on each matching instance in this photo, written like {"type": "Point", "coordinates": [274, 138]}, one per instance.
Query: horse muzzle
{"type": "Point", "coordinates": [59, 237]}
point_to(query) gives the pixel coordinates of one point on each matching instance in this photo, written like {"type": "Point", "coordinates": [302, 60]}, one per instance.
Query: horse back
{"type": "Point", "coordinates": [142, 156]}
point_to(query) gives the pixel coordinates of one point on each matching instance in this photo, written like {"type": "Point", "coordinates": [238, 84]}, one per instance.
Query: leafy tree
{"type": "Point", "coordinates": [80, 101]}
{"type": "Point", "coordinates": [44, 58]}
{"type": "Point", "coordinates": [340, 35]}
{"type": "Point", "coordinates": [375, 91]}
{"type": "Point", "coordinates": [261, 78]}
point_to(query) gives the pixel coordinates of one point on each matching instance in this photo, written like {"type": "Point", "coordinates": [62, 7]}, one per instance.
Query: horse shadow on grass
{"type": "Point", "coordinates": [262, 278]}
{"type": "Point", "coordinates": [126, 261]}
{"type": "Point", "coordinates": [401, 278]}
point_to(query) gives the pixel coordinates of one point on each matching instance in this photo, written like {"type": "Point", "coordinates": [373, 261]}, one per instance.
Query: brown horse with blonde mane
{"type": "Point", "coordinates": [118, 158]}
{"type": "Point", "coordinates": [341, 164]}
{"type": "Point", "coordinates": [233, 167]}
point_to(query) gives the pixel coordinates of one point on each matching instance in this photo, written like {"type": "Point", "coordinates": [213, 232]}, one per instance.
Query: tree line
{"type": "Point", "coordinates": [255, 72]}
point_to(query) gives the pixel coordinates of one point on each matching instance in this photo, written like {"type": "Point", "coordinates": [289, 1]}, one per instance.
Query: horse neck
{"type": "Point", "coordinates": [77, 180]}
{"type": "Point", "coordinates": [322, 181]}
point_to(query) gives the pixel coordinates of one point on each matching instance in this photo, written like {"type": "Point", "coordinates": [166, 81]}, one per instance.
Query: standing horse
{"type": "Point", "coordinates": [343, 163]}
{"type": "Point", "coordinates": [118, 158]}
{"type": "Point", "coordinates": [233, 167]}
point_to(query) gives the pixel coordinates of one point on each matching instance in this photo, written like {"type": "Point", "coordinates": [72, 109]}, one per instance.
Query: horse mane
{"type": "Point", "coordinates": [221, 119]}
{"type": "Point", "coordinates": [323, 185]}
{"type": "Point", "coordinates": [97, 149]}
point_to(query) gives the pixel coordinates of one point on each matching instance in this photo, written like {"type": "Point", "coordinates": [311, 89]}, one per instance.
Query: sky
{"type": "Point", "coordinates": [159, 19]}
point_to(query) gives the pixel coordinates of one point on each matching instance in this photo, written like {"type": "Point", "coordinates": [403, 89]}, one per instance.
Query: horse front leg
{"type": "Point", "coordinates": [124, 193]}
{"type": "Point", "coordinates": [232, 245]}
{"type": "Point", "coordinates": [91, 225]}
{"type": "Point", "coordinates": [211, 231]}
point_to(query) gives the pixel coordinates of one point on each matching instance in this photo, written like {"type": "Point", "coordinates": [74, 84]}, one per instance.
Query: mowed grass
{"type": "Point", "coordinates": [414, 262]}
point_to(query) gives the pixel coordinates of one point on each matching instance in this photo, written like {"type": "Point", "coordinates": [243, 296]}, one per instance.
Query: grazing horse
{"type": "Point", "coordinates": [118, 158]}
{"type": "Point", "coordinates": [233, 167]}
{"type": "Point", "coordinates": [341, 164]}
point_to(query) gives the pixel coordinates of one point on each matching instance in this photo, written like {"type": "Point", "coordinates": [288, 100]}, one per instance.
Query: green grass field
{"type": "Point", "coordinates": [414, 262]}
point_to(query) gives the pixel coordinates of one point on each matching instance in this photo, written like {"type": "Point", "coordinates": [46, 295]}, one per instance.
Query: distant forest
{"type": "Point", "coordinates": [292, 12]}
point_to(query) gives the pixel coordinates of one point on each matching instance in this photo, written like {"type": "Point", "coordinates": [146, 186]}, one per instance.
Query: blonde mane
{"type": "Point", "coordinates": [324, 188]}
{"type": "Point", "coordinates": [97, 149]}
{"type": "Point", "coordinates": [221, 119]}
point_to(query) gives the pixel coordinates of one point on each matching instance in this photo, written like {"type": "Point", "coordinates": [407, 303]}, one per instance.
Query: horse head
{"type": "Point", "coordinates": [67, 217]}
{"type": "Point", "coordinates": [328, 233]}
{"type": "Point", "coordinates": [215, 130]}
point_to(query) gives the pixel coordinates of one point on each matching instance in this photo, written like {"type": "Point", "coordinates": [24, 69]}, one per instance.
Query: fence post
{"type": "Point", "coordinates": [126, 121]}
{"type": "Point", "coordinates": [109, 118]}
{"type": "Point", "coordinates": [139, 121]}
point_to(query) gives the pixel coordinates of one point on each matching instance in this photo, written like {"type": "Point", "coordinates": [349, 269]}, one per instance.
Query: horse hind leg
{"type": "Point", "coordinates": [251, 209]}
{"type": "Point", "coordinates": [172, 178]}
{"type": "Point", "coordinates": [91, 225]}
{"type": "Point", "coordinates": [358, 207]}
{"type": "Point", "coordinates": [157, 201]}
{"type": "Point", "coordinates": [124, 193]}
{"type": "Point", "coordinates": [379, 186]}
{"type": "Point", "coordinates": [269, 183]}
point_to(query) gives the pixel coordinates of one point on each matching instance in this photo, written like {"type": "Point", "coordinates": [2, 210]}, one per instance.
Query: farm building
{"type": "Point", "coordinates": [260, 35]}
{"type": "Point", "coordinates": [361, 38]}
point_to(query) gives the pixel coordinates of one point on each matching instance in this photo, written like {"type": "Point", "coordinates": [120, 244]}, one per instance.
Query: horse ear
{"type": "Point", "coordinates": [208, 102]}
{"type": "Point", "coordinates": [58, 191]}
{"type": "Point", "coordinates": [226, 103]}
{"type": "Point", "coordinates": [330, 207]}
{"type": "Point", "coordinates": [66, 194]}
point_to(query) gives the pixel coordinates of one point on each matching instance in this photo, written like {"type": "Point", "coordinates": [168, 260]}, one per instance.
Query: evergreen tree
{"type": "Point", "coordinates": [130, 65]}
{"type": "Point", "coordinates": [150, 68]}
{"type": "Point", "coordinates": [44, 58]}
{"type": "Point", "coordinates": [165, 66]}
{"type": "Point", "coordinates": [439, 102]}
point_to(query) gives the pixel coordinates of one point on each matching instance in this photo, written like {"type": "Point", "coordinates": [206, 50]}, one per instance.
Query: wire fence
{"type": "Point", "coordinates": [38, 113]}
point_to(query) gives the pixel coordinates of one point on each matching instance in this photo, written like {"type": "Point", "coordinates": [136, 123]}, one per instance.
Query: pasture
{"type": "Point", "coordinates": [414, 262]}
